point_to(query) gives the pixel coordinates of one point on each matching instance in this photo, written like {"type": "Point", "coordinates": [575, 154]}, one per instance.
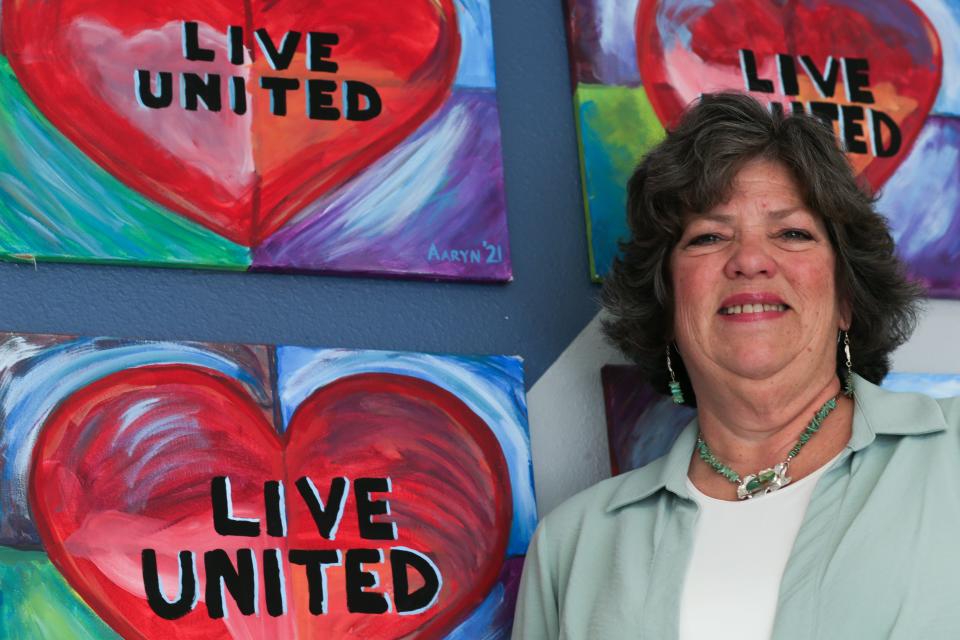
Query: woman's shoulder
{"type": "Point", "coordinates": [926, 408]}
{"type": "Point", "coordinates": [595, 510]}
{"type": "Point", "coordinates": [913, 409]}
{"type": "Point", "coordinates": [950, 407]}
{"type": "Point", "coordinates": [591, 501]}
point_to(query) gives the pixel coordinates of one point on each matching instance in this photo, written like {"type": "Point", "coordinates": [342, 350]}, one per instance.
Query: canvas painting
{"type": "Point", "coordinates": [192, 490]}
{"type": "Point", "coordinates": [347, 136]}
{"type": "Point", "coordinates": [885, 74]}
{"type": "Point", "coordinates": [642, 425]}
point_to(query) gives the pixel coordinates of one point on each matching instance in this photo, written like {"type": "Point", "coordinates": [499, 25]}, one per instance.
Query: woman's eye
{"type": "Point", "coordinates": [703, 239]}
{"type": "Point", "coordinates": [796, 234]}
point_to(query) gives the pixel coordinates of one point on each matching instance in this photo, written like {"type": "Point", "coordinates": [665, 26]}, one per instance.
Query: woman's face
{"type": "Point", "coordinates": [754, 284]}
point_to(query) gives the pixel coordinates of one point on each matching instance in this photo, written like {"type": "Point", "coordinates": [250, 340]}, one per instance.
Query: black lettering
{"type": "Point", "coordinates": [281, 58]}
{"type": "Point", "coordinates": [223, 521]}
{"type": "Point", "coordinates": [239, 581]}
{"type": "Point", "coordinates": [208, 90]}
{"type": "Point", "coordinates": [275, 508]}
{"type": "Point", "coordinates": [367, 508]}
{"type": "Point", "coordinates": [851, 118]}
{"type": "Point", "coordinates": [825, 82]}
{"type": "Point", "coordinates": [356, 90]}
{"type": "Point", "coordinates": [424, 597]}
{"type": "Point", "coordinates": [146, 97]}
{"type": "Point", "coordinates": [357, 580]}
{"type": "Point", "coordinates": [238, 95]}
{"type": "Point", "coordinates": [856, 79]}
{"type": "Point", "coordinates": [191, 44]}
{"type": "Point", "coordinates": [278, 88]}
{"type": "Point", "coordinates": [235, 43]}
{"type": "Point", "coordinates": [187, 599]}
{"type": "Point", "coordinates": [878, 118]}
{"type": "Point", "coordinates": [327, 518]}
{"type": "Point", "coordinates": [788, 75]}
{"type": "Point", "coordinates": [273, 588]}
{"type": "Point", "coordinates": [320, 100]}
{"type": "Point", "coordinates": [748, 64]}
{"type": "Point", "coordinates": [318, 51]}
{"type": "Point", "coordinates": [316, 563]}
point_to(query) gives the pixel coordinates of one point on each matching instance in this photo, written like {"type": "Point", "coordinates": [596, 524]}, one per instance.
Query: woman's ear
{"type": "Point", "coordinates": [846, 316]}
{"type": "Point", "coordinates": [845, 310]}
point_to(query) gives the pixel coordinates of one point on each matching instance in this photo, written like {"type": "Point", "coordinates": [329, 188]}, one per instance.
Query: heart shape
{"type": "Point", "coordinates": [684, 51]}
{"type": "Point", "coordinates": [126, 463]}
{"type": "Point", "coordinates": [242, 176]}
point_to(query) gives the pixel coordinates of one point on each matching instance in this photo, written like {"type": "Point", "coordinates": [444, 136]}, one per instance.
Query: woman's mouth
{"type": "Point", "coordinates": [739, 309]}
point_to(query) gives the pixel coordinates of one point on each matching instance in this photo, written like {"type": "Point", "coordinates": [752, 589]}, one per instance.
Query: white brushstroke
{"type": "Point", "coordinates": [132, 414]}
{"type": "Point", "coordinates": [28, 400]}
{"type": "Point", "coordinates": [929, 168]}
{"type": "Point", "coordinates": [476, 66]}
{"type": "Point", "coordinates": [944, 15]}
{"type": "Point", "coordinates": [397, 188]}
{"type": "Point", "coordinates": [616, 24]}
{"type": "Point", "coordinates": [12, 351]}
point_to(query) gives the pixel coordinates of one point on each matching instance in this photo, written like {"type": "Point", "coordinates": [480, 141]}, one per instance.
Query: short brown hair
{"type": "Point", "coordinates": [692, 170]}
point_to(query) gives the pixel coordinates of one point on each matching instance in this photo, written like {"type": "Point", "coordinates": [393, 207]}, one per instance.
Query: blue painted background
{"type": "Point", "coordinates": [535, 316]}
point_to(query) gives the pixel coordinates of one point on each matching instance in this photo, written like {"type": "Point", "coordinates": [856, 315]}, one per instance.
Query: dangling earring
{"type": "Point", "coordinates": [848, 382]}
{"type": "Point", "coordinates": [675, 391]}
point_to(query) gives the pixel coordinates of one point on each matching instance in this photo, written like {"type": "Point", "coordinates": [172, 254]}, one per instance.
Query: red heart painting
{"type": "Point", "coordinates": [870, 67]}
{"type": "Point", "coordinates": [128, 463]}
{"type": "Point", "coordinates": [270, 131]}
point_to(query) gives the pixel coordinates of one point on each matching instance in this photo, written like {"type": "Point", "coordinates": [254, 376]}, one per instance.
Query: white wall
{"type": "Point", "coordinates": [567, 424]}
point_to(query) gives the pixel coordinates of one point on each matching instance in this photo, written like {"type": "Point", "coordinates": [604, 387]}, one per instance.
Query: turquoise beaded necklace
{"type": "Point", "coordinates": [767, 480]}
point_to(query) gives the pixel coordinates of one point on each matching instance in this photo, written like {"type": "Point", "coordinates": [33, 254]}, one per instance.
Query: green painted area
{"type": "Point", "coordinates": [57, 204]}
{"type": "Point", "coordinates": [37, 603]}
{"type": "Point", "coordinates": [617, 126]}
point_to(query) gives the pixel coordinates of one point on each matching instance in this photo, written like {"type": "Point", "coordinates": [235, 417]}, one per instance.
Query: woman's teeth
{"type": "Point", "coordinates": [751, 308]}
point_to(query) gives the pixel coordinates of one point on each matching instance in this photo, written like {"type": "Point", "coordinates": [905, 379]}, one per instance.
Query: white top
{"type": "Point", "coordinates": [740, 550]}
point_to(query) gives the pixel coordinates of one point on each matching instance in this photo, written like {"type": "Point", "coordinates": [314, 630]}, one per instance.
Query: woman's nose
{"type": "Point", "coordinates": [751, 258]}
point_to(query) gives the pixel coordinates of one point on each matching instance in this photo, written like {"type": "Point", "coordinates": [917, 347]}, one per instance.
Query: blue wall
{"type": "Point", "coordinates": [535, 316]}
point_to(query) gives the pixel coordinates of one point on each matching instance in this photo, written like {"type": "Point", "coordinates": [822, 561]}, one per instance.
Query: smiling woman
{"type": "Point", "coordinates": [761, 246]}
{"type": "Point", "coordinates": [689, 180]}
{"type": "Point", "coordinates": [760, 285]}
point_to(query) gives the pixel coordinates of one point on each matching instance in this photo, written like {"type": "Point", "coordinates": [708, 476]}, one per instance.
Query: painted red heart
{"type": "Point", "coordinates": [127, 462]}
{"type": "Point", "coordinates": [241, 176]}
{"type": "Point", "coordinates": [684, 52]}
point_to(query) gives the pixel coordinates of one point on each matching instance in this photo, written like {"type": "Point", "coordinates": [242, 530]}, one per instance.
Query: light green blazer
{"type": "Point", "coordinates": [877, 555]}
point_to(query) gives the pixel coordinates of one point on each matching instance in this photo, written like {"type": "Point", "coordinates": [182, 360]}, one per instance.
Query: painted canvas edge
{"type": "Point", "coordinates": [607, 371]}
{"type": "Point", "coordinates": [568, 18]}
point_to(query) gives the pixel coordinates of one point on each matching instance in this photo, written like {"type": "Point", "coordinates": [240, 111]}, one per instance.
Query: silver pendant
{"type": "Point", "coordinates": [764, 482]}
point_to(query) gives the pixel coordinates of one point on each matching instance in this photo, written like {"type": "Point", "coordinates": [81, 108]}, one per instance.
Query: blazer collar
{"type": "Point", "coordinates": [876, 412]}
